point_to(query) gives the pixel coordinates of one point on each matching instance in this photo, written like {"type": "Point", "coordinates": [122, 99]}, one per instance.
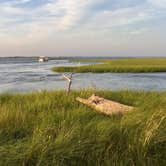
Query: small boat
{"type": "Point", "coordinates": [42, 59]}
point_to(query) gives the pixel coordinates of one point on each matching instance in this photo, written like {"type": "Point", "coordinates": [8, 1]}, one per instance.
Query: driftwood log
{"type": "Point", "coordinates": [105, 106]}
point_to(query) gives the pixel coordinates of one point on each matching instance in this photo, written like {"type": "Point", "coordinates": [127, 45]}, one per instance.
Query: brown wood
{"type": "Point", "coordinates": [105, 106]}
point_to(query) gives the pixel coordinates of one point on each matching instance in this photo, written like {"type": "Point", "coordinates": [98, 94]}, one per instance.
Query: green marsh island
{"type": "Point", "coordinates": [132, 65]}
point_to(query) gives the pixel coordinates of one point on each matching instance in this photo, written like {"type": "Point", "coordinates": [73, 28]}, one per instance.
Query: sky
{"type": "Point", "coordinates": [83, 28]}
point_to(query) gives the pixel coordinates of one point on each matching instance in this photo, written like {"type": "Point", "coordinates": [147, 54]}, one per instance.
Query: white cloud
{"type": "Point", "coordinates": [120, 18]}
{"type": "Point", "coordinates": [66, 18]}
{"type": "Point", "coordinates": [158, 3]}
{"type": "Point", "coordinates": [64, 15]}
{"type": "Point", "coordinates": [41, 21]}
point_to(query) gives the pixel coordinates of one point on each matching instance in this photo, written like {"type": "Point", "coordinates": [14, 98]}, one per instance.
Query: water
{"type": "Point", "coordinates": [26, 74]}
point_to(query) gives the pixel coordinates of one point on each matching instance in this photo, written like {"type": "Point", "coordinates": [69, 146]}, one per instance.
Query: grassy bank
{"type": "Point", "coordinates": [134, 65]}
{"type": "Point", "coordinates": [51, 128]}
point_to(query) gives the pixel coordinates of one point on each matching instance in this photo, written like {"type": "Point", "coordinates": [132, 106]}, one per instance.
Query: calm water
{"type": "Point", "coordinates": [26, 74]}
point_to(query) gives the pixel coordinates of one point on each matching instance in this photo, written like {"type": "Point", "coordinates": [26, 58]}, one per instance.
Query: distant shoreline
{"type": "Point", "coordinates": [86, 57]}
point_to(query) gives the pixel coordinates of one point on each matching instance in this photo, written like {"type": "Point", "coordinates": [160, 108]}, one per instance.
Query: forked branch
{"type": "Point", "coordinates": [69, 79]}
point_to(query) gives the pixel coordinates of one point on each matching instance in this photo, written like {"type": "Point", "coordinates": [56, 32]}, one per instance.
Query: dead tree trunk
{"type": "Point", "coordinates": [105, 106]}
{"type": "Point", "coordinates": [69, 79]}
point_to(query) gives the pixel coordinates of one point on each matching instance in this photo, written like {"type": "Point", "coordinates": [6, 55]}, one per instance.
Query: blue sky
{"type": "Point", "coordinates": [82, 27]}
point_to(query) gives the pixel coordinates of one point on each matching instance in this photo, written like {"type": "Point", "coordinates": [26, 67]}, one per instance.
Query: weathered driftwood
{"type": "Point", "coordinates": [105, 106]}
{"type": "Point", "coordinates": [69, 79]}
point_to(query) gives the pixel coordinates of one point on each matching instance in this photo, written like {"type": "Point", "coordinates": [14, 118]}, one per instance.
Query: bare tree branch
{"type": "Point", "coordinates": [69, 79]}
{"type": "Point", "coordinates": [65, 77]}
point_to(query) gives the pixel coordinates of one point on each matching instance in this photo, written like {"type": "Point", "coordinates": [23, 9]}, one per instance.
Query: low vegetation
{"type": "Point", "coordinates": [134, 65]}
{"type": "Point", "coordinates": [51, 128]}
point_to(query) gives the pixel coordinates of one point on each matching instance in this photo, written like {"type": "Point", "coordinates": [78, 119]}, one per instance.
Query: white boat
{"type": "Point", "coordinates": [42, 59]}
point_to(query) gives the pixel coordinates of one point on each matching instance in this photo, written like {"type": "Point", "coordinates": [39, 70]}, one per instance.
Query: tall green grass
{"type": "Point", "coordinates": [51, 128]}
{"type": "Point", "coordinates": [134, 65]}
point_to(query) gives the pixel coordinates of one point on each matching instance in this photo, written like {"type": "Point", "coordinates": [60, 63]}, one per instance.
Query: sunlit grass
{"type": "Point", "coordinates": [134, 65]}
{"type": "Point", "coordinates": [51, 128]}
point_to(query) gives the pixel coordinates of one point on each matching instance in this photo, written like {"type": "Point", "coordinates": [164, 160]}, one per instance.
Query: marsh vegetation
{"type": "Point", "coordinates": [127, 65]}
{"type": "Point", "coordinates": [52, 128]}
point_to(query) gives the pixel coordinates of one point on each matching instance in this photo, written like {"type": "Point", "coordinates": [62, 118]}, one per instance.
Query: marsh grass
{"type": "Point", "coordinates": [133, 65]}
{"type": "Point", "coordinates": [51, 128]}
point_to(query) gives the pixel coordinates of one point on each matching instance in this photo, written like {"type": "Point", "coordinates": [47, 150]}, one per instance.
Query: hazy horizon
{"type": "Point", "coordinates": [68, 28]}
